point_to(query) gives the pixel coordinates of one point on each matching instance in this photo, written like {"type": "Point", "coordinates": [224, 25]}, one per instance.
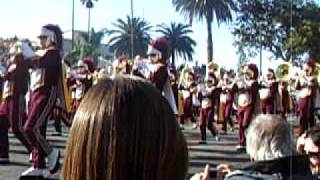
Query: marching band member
{"type": "Point", "coordinates": [174, 85]}
{"type": "Point", "coordinates": [46, 71]}
{"type": "Point", "coordinates": [63, 109]}
{"type": "Point", "coordinates": [307, 86]}
{"type": "Point", "coordinates": [206, 117]}
{"type": "Point", "coordinates": [268, 92]}
{"type": "Point", "coordinates": [248, 90]}
{"type": "Point", "coordinates": [285, 102]}
{"type": "Point", "coordinates": [157, 69]}
{"type": "Point", "coordinates": [81, 81]}
{"type": "Point", "coordinates": [227, 97]}
{"type": "Point", "coordinates": [213, 75]}
{"type": "Point", "coordinates": [137, 66]}
{"type": "Point", "coordinates": [188, 88]}
{"type": "Point", "coordinates": [12, 108]}
{"type": "Point", "coordinates": [121, 65]}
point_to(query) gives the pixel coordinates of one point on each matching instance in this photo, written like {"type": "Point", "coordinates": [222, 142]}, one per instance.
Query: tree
{"type": "Point", "coordinates": [269, 24]}
{"type": "Point", "coordinates": [89, 6]}
{"type": "Point", "coordinates": [86, 47]}
{"type": "Point", "coordinates": [181, 43]}
{"type": "Point", "coordinates": [306, 39]}
{"type": "Point", "coordinates": [120, 36]}
{"type": "Point", "coordinates": [208, 10]}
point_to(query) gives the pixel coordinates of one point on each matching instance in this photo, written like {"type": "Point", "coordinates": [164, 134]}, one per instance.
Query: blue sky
{"type": "Point", "coordinates": [25, 17]}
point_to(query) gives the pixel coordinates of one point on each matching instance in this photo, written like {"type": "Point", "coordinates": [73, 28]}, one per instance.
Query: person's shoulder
{"type": "Point", "coordinates": [161, 67]}
{"type": "Point", "coordinates": [252, 175]}
{"type": "Point", "coordinates": [53, 52]}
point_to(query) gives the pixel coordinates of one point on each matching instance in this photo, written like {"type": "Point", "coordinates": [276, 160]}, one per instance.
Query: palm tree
{"type": "Point", "coordinates": [206, 9]}
{"type": "Point", "coordinates": [89, 5]}
{"type": "Point", "coordinates": [85, 47]}
{"type": "Point", "coordinates": [120, 36]}
{"type": "Point", "coordinates": [95, 37]}
{"type": "Point", "coordinates": [181, 43]}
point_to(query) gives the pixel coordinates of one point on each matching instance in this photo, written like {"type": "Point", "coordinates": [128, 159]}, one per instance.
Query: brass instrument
{"type": "Point", "coordinates": [184, 72]}
{"type": "Point", "coordinates": [283, 72]}
{"type": "Point", "coordinates": [214, 67]}
{"type": "Point", "coordinates": [242, 76]}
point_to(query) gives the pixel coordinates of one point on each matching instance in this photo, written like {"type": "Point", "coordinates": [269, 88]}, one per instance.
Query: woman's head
{"type": "Point", "coordinates": [124, 129]}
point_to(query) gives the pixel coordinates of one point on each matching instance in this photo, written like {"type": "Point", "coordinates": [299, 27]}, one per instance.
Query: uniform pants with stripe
{"type": "Point", "coordinates": [41, 105]}
{"type": "Point", "coordinates": [12, 114]}
{"type": "Point", "coordinates": [244, 115]}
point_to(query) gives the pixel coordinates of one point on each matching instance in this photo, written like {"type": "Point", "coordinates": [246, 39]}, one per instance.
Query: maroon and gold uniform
{"type": "Point", "coordinates": [268, 93]}
{"type": "Point", "coordinates": [188, 90]}
{"type": "Point", "coordinates": [206, 110]}
{"type": "Point", "coordinates": [247, 101]}
{"type": "Point", "coordinates": [12, 108]}
{"type": "Point", "coordinates": [227, 98]}
{"type": "Point", "coordinates": [45, 76]}
{"type": "Point", "coordinates": [80, 82]}
{"type": "Point", "coordinates": [284, 104]}
{"type": "Point", "coordinates": [307, 87]}
{"type": "Point", "coordinates": [159, 54]}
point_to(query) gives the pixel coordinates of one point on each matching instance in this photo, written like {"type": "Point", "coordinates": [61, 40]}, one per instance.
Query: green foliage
{"type": "Point", "coordinates": [306, 38]}
{"type": "Point", "coordinates": [120, 36]}
{"type": "Point", "coordinates": [181, 43]}
{"type": "Point", "coordinates": [208, 10]}
{"type": "Point", "coordinates": [276, 26]}
{"type": "Point", "coordinates": [88, 3]}
{"type": "Point", "coordinates": [85, 47]}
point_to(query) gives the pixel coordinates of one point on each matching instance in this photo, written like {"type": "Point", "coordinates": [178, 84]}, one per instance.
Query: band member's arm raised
{"type": "Point", "coordinates": [50, 59]}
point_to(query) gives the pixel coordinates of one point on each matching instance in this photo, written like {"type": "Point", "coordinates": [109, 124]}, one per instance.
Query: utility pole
{"type": "Point", "coordinates": [132, 33]}
{"type": "Point", "coordinates": [72, 35]}
{"type": "Point", "coordinates": [260, 55]}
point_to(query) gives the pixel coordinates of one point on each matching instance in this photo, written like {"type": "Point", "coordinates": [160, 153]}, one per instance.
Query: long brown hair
{"type": "Point", "coordinates": [125, 130]}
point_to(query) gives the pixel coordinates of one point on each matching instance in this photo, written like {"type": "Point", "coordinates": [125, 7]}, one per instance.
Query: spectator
{"type": "Point", "coordinates": [309, 144]}
{"type": "Point", "coordinates": [125, 130]}
{"type": "Point", "coordinates": [270, 146]}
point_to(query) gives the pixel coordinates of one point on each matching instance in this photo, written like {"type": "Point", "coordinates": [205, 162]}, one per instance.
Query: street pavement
{"type": "Point", "coordinates": [213, 153]}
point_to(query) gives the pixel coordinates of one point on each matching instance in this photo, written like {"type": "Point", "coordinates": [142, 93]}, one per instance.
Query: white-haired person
{"type": "Point", "coordinates": [271, 148]}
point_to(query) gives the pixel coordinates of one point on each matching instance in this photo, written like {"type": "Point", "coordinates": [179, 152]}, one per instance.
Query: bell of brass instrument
{"type": "Point", "coordinates": [241, 77]}
{"type": "Point", "coordinates": [283, 72]}
{"type": "Point", "coordinates": [214, 68]}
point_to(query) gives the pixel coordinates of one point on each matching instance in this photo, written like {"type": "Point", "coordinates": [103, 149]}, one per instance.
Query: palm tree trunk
{"type": "Point", "coordinates": [210, 43]}
{"type": "Point", "coordinates": [173, 63]}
